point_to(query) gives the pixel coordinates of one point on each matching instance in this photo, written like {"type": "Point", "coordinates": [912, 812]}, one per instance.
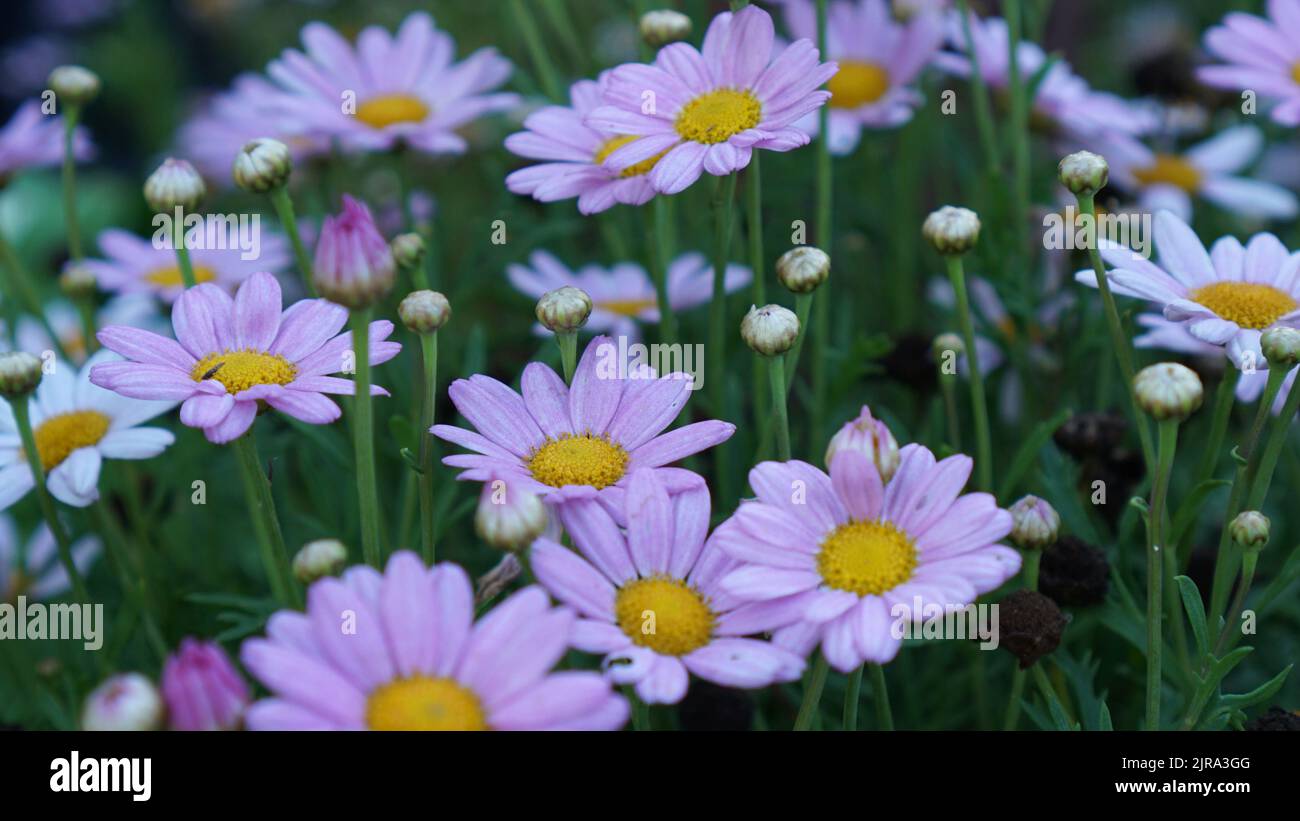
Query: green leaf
{"type": "Point", "coordinates": [1195, 613]}
{"type": "Point", "coordinates": [1103, 720]}
{"type": "Point", "coordinates": [1028, 450]}
{"type": "Point", "coordinates": [1261, 693]}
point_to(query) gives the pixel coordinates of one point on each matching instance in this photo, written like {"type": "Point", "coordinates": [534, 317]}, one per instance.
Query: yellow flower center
{"type": "Point", "coordinates": [58, 436]}
{"type": "Point", "coordinates": [1249, 304]}
{"type": "Point", "coordinates": [627, 307]}
{"type": "Point", "coordinates": [241, 370]}
{"type": "Point", "coordinates": [867, 558]}
{"type": "Point", "coordinates": [171, 277]}
{"type": "Point", "coordinates": [857, 83]}
{"type": "Point", "coordinates": [578, 460]}
{"type": "Point", "coordinates": [422, 703]}
{"type": "Point", "coordinates": [1295, 72]}
{"type": "Point", "coordinates": [1170, 169]}
{"type": "Point", "coordinates": [614, 143]}
{"type": "Point", "coordinates": [718, 115]}
{"type": "Point", "coordinates": [666, 615]}
{"type": "Point", "coordinates": [390, 109]}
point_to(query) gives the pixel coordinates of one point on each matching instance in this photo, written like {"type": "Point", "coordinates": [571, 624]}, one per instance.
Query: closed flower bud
{"type": "Point", "coordinates": [1168, 391]}
{"type": "Point", "coordinates": [318, 559]}
{"type": "Point", "coordinates": [74, 85]}
{"type": "Point", "coordinates": [20, 373]}
{"type": "Point", "coordinates": [127, 701]}
{"type": "Point", "coordinates": [803, 268]}
{"type": "Point", "coordinates": [354, 266]}
{"type": "Point", "coordinates": [664, 26]}
{"type": "Point", "coordinates": [408, 249]}
{"type": "Point", "coordinates": [1083, 172]}
{"type": "Point", "coordinates": [77, 281]}
{"type": "Point", "coordinates": [1281, 346]}
{"type": "Point", "coordinates": [770, 330]}
{"type": "Point", "coordinates": [1249, 530]}
{"type": "Point", "coordinates": [1029, 625]}
{"type": "Point", "coordinates": [564, 310]}
{"type": "Point", "coordinates": [952, 231]}
{"type": "Point", "coordinates": [263, 165]}
{"type": "Point", "coordinates": [424, 312]}
{"type": "Point", "coordinates": [174, 184]}
{"type": "Point", "coordinates": [870, 437]}
{"type": "Point", "coordinates": [509, 518]}
{"type": "Point", "coordinates": [943, 343]}
{"type": "Point", "coordinates": [1034, 523]}
{"type": "Point", "coordinates": [202, 689]}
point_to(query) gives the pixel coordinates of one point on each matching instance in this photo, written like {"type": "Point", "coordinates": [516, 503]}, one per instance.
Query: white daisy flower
{"type": "Point", "coordinates": [77, 425]}
{"type": "Point", "coordinates": [1208, 170]}
{"type": "Point", "coordinates": [1226, 297]}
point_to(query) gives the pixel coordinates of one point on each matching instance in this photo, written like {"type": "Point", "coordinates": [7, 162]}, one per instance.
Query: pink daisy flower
{"type": "Point", "coordinates": [1262, 55]}
{"type": "Point", "coordinates": [624, 296]}
{"type": "Point", "coordinates": [135, 265]}
{"type": "Point", "coordinates": [1063, 101]}
{"type": "Point", "coordinates": [1169, 180]}
{"type": "Point", "coordinates": [232, 355]}
{"type": "Point", "coordinates": [417, 661]}
{"type": "Point", "coordinates": [31, 138]}
{"type": "Point", "coordinates": [711, 109]}
{"type": "Point", "coordinates": [579, 440]}
{"type": "Point", "coordinates": [879, 59]}
{"type": "Point", "coordinates": [389, 90]}
{"type": "Point", "coordinates": [1226, 297]}
{"type": "Point", "coordinates": [253, 107]}
{"type": "Point", "coordinates": [859, 554]}
{"type": "Point", "coordinates": [650, 598]}
{"type": "Point", "coordinates": [573, 155]}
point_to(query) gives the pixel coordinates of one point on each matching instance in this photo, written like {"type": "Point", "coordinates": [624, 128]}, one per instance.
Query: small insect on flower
{"type": "Point", "coordinates": [232, 355]}
{"type": "Point", "coordinates": [77, 425]}
{"type": "Point", "coordinates": [416, 660]}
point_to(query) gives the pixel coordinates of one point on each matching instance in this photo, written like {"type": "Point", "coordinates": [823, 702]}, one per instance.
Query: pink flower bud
{"type": "Point", "coordinates": [202, 689]}
{"type": "Point", "coordinates": [354, 264]}
{"type": "Point", "coordinates": [870, 437]}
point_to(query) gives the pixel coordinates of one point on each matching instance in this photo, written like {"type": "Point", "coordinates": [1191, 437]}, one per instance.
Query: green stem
{"type": "Point", "coordinates": [1019, 139]}
{"type": "Point", "coordinates": [754, 200]}
{"type": "Point", "coordinates": [776, 373]}
{"type": "Point", "coordinates": [983, 103]}
{"type": "Point", "coordinates": [22, 417]}
{"type": "Point", "coordinates": [802, 308]}
{"type": "Point", "coordinates": [724, 194]}
{"type": "Point", "coordinates": [284, 210]}
{"type": "Point", "coordinates": [640, 711]}
{"type": "Point", "coordinates": [71, 114]}
{"type": "Point", "coordinates": [659, 260]}
{"type": "Point", "coordinates": [182, 253]}
{"type": "Point", "coordinates": [852, 695]}
{"type": "Point", "coordinates": [1155, 571]}
{"type": "Point", "coordinates": [537, 50]}
{"type": "Point", "coordinates": [979, 409]}
{"type": "Point", "coordinates": [1223, 400]}
{"type": "Point", "coordinates": [948, 384]}
{"type": "Point", "coordinates": [128, 564]}
{"type": "Point", "coordinates": [261, 506]}
{"type": "Point", "coordinates": [1238, 602]}
{"type": "Point", "coordinates": [1263, 472]}
{"type": "Point", "coordinates": [363, 431]}
{"type": "Point", "coordinates": [812, 694]}
{"type": "Point", "coordinates": [825, 228]}
{"type": "Point", "coordinates": [429, 358]}
{"type": "Point", "coordinates": [1225, 559]}
{"type": "Point", "coordinates": [880, 695]}
{"type": "Point", "coordinates": [1123, 351]}
{"type": "Point", "coordinates": [568, 342]}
